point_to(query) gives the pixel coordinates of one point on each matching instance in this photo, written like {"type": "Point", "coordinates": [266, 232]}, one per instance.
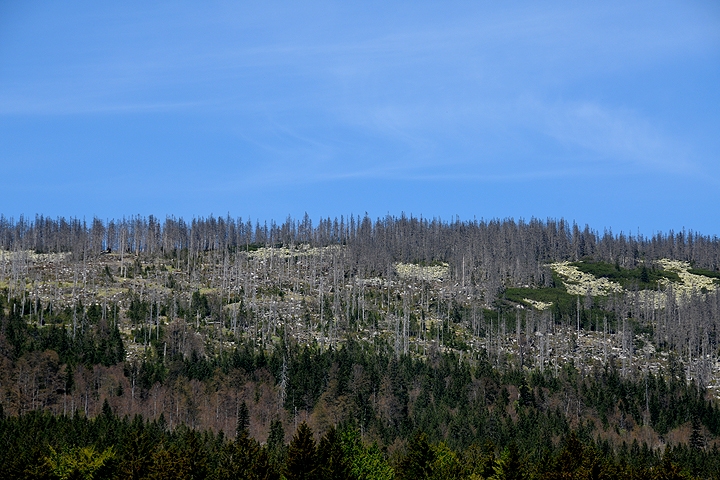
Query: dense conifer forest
{"type": "Point", "coordinates": [356, 348]}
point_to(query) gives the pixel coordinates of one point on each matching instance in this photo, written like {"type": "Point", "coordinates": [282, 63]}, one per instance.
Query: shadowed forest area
{"type": "Point", "coordinates": [352, 348]}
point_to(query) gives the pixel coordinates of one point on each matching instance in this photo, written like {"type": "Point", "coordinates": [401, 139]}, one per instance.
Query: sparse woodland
{"type": "Point", "coordinates": [356, 348]}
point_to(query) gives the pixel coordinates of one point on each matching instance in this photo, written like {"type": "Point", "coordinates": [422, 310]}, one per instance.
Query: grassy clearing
{"type": "Point", "coordinates": [642, 278]}
{"type": "Point", "coordinates": [706, 273]}
{"type": "Point", "coordinates": [556, 296]}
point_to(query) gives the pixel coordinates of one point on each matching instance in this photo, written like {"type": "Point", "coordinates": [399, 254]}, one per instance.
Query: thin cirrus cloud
{"type": "Point", "coordinates": [615, 137]}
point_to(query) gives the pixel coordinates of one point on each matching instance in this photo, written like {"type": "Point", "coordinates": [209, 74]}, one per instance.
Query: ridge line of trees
{"type": "Point", "coordinates": [497, 249]}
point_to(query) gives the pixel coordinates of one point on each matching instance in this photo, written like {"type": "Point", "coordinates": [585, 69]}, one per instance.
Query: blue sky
{"type": "Point", "coordinates": [606, 113]}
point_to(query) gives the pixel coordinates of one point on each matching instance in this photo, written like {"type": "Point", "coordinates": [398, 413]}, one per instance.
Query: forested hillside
{"type": "Point", "coordinates": [423, 348]}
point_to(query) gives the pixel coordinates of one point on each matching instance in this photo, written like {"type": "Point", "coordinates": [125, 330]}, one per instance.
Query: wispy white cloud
{"type": "Point", "coordinates": [617, 137]}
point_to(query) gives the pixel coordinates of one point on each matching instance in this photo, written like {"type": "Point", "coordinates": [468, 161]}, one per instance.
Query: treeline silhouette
{"type": "Point", "coordinates": [504, 248]}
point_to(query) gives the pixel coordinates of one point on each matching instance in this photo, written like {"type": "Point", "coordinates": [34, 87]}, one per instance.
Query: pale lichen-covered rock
{"type": "Point", "coordinates": [418, 272]}
{"type": "Point", "coordinates": [690, 281]}
{"type": "Point", "coordinates": [301, 250]}
{"type": "Point", "coordinates": [537, 304]}
{"type": "Point", "coordinates": [581, 283]}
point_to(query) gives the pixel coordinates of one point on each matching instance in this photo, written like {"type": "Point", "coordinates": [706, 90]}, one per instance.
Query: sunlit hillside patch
{"type": "Point", "coordinates": [301, 250]}
{"type": "Point", "coordinates": [714, 274]}
{"type": "Point", "coordinates": [690, 282]}
{"type": "Point", "coordinates": [651, 291]}
{"type": "Point", "coordinates": [645, 276]}
{"type": "Point", "coordinates": [32, 256]}
{"type": "Point", "coordinates": [581, 283]}
{"type": "Point", "coordinates": [419, 272]}
{"type": "Point", "coordinates": [538, 305]}
{"type": "Point", "coordinates": [540, 298]}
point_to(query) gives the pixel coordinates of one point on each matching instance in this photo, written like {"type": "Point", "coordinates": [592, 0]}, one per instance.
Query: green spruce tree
{"type": "Point", "coordinates": [302, 455]}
